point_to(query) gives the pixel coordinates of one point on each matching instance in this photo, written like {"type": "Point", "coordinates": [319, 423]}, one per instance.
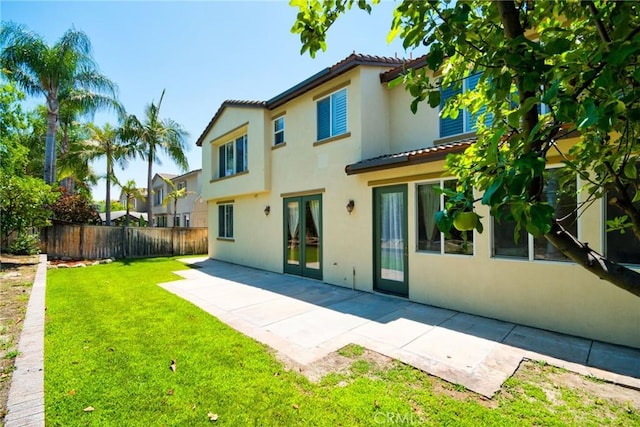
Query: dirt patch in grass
{"type": "Point", "coordinates": [557, 387]}
{"type": "Point", "coordinates": [16, 280]}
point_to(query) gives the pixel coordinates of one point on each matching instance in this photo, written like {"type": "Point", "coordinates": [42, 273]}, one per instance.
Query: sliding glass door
{"type": "Point", "coordinates": [303, 236]}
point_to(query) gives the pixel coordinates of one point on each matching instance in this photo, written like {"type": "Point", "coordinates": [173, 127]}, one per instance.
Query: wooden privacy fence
{"type": "Point", "coordinates": [97, 242]}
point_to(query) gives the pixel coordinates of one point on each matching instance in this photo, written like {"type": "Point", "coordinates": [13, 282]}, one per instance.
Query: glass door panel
{"type": "Point", "coordinates": [390, 240]}
{"type": "Point", "coordinates": [292, 229]}
{"type": "Point", "coordinates": [303, 236]}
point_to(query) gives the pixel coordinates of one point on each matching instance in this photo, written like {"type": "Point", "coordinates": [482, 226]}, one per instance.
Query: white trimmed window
{"type": "Point", "coordinates": [187, 220]}
{"type": "Point", "coordinates": [332, 115]}
{"type": "Point", "coordinates": [620, 247]}
{"type": "Point", "coordinates": [225, 221]}
{"type": "Point", "coordinates": [465, 122]}
{"type": "Point", "coordinates": [560, 191]}
{"type": "Point", "coordinates": [181, 185]}
{"type": "Point", "coordinates": [158, 196]}
{"type": "Point", "coordinates": [430, 239]}
{"type": "Point", "coordinates": [232, 157]}
{"type": "Point", "coordinates": [278, 131]}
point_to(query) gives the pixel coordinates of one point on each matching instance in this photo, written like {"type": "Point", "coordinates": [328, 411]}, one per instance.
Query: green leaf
{"type": "Point", "coordinates": [630, 170]}
{"type": "Point", "coordinates": [491, 195]}
{"type": "Point", "coordinates": [589, 114]}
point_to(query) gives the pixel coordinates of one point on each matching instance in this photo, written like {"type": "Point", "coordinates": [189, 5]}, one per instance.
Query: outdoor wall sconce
{"type": "Point", "coordinates": [267, 210]}
{"type": "Point", "coordinates": [350, 206]}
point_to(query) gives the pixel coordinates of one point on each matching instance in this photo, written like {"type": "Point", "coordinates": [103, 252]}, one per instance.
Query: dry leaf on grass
{"type": "Point", "coordinates": [295, 406]}
{"type": "Point", "coordinates": [72, 392]}
{"type": "Point", "coordinates": [212, 416]}
{"type": "Point", "coordinates": [172, 366]}
{"type": "Point", "coordinates": [89, 409]}
{"type": "Point", "coordinates": [170, 392]}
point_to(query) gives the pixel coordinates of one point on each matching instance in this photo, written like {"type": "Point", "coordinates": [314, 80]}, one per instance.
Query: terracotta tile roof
{"type": "Point", "coordinates": [419, 62]}
{"type": "Point", "coordinates": [341, 67]}
{"type": "Point", "coordinates": [408, 158]}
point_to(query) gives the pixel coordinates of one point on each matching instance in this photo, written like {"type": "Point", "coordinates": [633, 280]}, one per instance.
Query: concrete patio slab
{"type": "Point", "coordinates": [304, 320]}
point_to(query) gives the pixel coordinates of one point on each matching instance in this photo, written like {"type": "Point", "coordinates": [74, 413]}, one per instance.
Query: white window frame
{"type": "Point", "coordinates": [332, 132]}
{"type": "Point", "coordinates": [440, 183]}
{"type": "Point", "coordinates": [158, 196]}
{"type": "Point", "coordinates": [224, 232]}
{"type": "Point", "coordinates": [531, 255]}
{"type": "Point", "coordinates": [277, 131]}
{"type": "Point", "coordinates": [232, 146]}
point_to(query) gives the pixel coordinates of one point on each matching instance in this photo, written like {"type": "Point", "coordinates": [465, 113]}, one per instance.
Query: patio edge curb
{"type": "Point", "coordinates": [25, 405]}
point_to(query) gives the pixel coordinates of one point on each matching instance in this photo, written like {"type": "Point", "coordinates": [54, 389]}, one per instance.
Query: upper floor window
{"type": "Point", "coordinates": [465, 121]}
{"type": "Point", "coordinates": [158, 196]}
{"type": "Point", "coordinates": [430, 239]}
{"type": "Point", "coordinates": [278, 131]}
{"type": "Point", "coordinates": [225, 221]}
{"type": "Point", "coordinates": [181, 185]}
{"type": "Point", "coordinates": [332, 115]}
{"type": "Point", "coordinates": [232, 157]}
{"type": "Point", "coordinates": [560, 192]}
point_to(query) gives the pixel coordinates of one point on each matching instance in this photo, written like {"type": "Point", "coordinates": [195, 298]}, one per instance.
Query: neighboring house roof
{"type": "Point", "coordinates": [184, 175]}
{"type": "Point", "coordinates": [407, 158]}
{"type": "Point", "coordinates": [350, 62]}
{"type": "Point", "coordinates": [119, 214]}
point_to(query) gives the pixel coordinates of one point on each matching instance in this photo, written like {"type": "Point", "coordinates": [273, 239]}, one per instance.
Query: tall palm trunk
{"type": "Point", "coordinates": [108, 195]}
{"type": "Point", "coordinates": [50, 142]}
{"type": "Point", "coordinates": [149, 193]}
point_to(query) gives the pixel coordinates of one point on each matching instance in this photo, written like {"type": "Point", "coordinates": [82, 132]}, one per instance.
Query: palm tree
{"type": "Point", "coordinates": [106, 143]}
{"type": "Point", "coordinates": [64, 73]}
{"type": "Point", "coordinates": [153, 136]}
{"type": "Point", "coordinates": [131, 191]}
{"type": "Point", "coordinates": [173, 196]}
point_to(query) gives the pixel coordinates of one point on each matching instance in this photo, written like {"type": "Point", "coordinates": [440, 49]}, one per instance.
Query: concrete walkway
{"type": "Point", "coordinates": [25, 406]}
{"type": "Point", "coordinates": [305, 320]}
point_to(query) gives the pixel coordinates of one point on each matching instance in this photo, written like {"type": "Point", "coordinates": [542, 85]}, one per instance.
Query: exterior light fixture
{"type": "Point", "coordinates": [350, 206]}
{"type": "Point", "coordinates": [267, 210]}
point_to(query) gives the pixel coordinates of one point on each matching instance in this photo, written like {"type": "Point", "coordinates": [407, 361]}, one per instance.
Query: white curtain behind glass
{"type": "Point", "coordinates": [430, 201]}
{"type": "Point", "coordinates": [294, 218]}
{"type": "Point", "coordinates": [314, 207]}
{"type": "Point", "coordinates": [392, 236]}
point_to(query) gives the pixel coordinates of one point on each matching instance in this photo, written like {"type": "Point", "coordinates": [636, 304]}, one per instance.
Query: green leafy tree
{"type": "Point", "coordinates": [115, 205]}
{"type": "Point", "coordinates": [13, 125]}
{"type": "Point", "coordinates": [24, 205]}
{"type": "Point", "coordinates": [131, 192]}
{"type": "Point", "coordinates": [173, 196]}
{"type": "Point", "coordinates": [152, 136]}
{"type": "Point", "coordinates": [64, 73]}
{"type": "Point", "coordinates": [580, 59]}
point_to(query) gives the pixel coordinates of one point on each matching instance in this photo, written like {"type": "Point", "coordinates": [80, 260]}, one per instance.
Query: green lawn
{"type": "Point", "coordinates": [111, 335]}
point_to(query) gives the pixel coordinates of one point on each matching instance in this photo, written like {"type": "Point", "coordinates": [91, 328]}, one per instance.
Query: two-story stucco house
{"type": "Point", "coordinates": [334, 179]}
{"type": "Point", "coordinates": [187, 211]}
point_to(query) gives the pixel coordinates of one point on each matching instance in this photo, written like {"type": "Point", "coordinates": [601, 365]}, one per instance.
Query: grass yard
{"type": "Point", "coordinates": [112, 334]}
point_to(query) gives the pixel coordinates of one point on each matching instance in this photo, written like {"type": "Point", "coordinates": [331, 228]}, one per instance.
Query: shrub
{"type": "Point", "coordinates": [25, 244]}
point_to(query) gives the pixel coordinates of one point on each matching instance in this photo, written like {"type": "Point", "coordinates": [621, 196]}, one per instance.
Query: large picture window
{"type": "Point", "coordinates": [332, 115]}
{"type": "Point", "coordinates": [430, 239]}
{"type": "Point", "coordinates": [232, 157]}
{"type": "Point", "coordinates": [560, 192]}
{"type": "Point", "coordinates": [225, 221]}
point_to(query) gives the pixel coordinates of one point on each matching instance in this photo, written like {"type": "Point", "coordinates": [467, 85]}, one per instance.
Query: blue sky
{"type": "Point", "coordinates": [200, 52]}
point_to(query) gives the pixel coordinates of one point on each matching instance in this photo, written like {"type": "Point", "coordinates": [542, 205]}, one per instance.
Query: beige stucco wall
{"type": "Point", "coordinates": [550, 295]}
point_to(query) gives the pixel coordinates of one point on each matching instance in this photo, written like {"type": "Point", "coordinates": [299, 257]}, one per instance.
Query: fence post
{"type": "Point", "coordinates": [124, 241]}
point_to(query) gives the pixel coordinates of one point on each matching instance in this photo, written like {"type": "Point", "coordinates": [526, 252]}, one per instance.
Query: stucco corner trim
{"type": "Point", "coordinates": [282, 144]}
{"type": "Point", "coordinates": [333, 138]}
